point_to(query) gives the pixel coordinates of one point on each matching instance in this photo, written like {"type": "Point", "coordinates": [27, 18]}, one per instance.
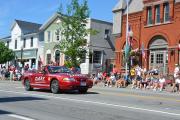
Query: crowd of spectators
{"type": "Point", "coordinates": [140, 78]}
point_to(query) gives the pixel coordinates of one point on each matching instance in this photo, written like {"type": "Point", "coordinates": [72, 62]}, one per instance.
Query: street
{"type": "Point", "coordinates": [100, 103]}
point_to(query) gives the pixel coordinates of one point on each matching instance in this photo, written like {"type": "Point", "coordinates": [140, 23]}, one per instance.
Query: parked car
{"type": "Point", "coordinates": [56, 78]}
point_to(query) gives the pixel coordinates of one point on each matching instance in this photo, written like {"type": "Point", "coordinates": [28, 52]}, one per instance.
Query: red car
{"type": "Point", "coordinates": [56, 78]}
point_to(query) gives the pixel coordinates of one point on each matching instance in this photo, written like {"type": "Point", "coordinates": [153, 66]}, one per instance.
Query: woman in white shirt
{"type": "Point", "coordinates": [161, 81]}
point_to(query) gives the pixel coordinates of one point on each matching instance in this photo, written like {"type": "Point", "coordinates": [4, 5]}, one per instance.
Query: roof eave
{"type": "Point", "coordinates": [49, 21]}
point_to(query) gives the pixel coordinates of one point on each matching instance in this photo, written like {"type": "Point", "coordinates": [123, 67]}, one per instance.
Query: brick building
{"type": "Point", "coordinates": [156, 26]}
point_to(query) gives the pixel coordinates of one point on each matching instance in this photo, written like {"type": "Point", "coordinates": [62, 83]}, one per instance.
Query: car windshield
{"type": "Point", "coordinates": [58, 69]}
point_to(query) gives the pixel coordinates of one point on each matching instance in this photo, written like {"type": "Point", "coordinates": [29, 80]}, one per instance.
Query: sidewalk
{"type": "Point", "coordinates": [128, 90]}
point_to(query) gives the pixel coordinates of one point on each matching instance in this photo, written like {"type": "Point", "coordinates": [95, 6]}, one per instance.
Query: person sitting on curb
{"type": "Point", "coordinates": [144, 81]}
{"type": "Point", "coordinates": [121, 83]}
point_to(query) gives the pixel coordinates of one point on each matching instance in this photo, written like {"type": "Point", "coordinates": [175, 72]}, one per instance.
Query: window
{"type": "Point", "coordinates": [152, 58]}
{"type": "Point", "coordinates": [90, 57]}
{"type": "Point", "coordinates": [8, 44]}
{"type": "Point", "coordinates": [57, 34]}
{"type": "Point", "coordinates": [97, 57]}
{"type": "Point", "coordinates": [66, 58]}
{"type": "Point", "coordinates": [159, 58]}
{"type": "Point", "coordinates": [157, 14]}
{"type": "Point", "coordinates": [24, 43]}
{"type": "Point", "coordinates": [166, 12]}
{"type": "Point", "coordinates": [83, 59]}
{"type": "Point", "coordinates": [107, 32]}
{"type": "Point", "coordinates": [48, 58]}
{"type": "Point", "coordinates": [49, 36]}
{"type": "Point", "coordinates": [31, 41]}
{"type": "Point", "coordinates": [15, 44]}
{"type": "Point", "coordinates": [149, 17]}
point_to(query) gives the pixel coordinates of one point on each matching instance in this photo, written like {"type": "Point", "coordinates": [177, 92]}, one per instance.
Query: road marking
{"type": "Point", "coordinates": [139, 96]}
{"type": "Point", "coordinates": [20, 117]}
{"type": "Point", "coordinates": [93, 102]}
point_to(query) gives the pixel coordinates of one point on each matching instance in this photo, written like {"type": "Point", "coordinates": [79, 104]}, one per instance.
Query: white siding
{"type": "Point", "coordinates": [15, 35]}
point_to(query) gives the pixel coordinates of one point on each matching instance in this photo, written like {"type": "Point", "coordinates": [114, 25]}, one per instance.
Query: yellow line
{"type": "Point", "coordinates": [139, 96]}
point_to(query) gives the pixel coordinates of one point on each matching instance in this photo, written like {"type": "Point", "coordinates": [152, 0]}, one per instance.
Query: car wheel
{"type": "Point", "coordinates": [83, 91]}
{"type": "Point", "coordinates": [55, 86]}
{"type": "Point", "coordinates": [27, 85]}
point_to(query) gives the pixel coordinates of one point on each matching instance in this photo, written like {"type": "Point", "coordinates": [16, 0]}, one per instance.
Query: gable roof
{"type": "Point", "coordinates": [5, 39]}
{"type": "Point", "coordinates": [50, 20]}
{"type": "Point", "coordinates": [27, 27]}
{"type": "Point", "coordinates": [120, 5]}
{"type": "Point", "coordinates": [135, 6]}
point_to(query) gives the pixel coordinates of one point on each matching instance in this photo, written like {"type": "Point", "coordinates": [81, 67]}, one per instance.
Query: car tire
{"type": "Point", "coordinates": [55, 86]}
{"type": "Point", "coordinates": [27, 85]}
{"type": "Point", "coordinates": [83, 91]}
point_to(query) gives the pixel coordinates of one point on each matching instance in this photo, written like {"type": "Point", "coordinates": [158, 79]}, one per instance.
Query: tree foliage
{"type": "Point", "coordinates": [74, 31]}
{"type": "Point", "coordinates": [5, 53]}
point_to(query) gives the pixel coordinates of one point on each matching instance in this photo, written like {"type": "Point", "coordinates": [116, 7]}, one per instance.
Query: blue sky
{"type": "Point", "coordinates": [40, 10]}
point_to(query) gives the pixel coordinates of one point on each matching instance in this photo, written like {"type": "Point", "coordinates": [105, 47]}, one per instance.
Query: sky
{"type": "Point", "coordinates": [39, 11]}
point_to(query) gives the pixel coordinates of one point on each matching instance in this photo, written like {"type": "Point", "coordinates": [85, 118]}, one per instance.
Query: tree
{"type": "Point", "coordinates": [5, 54]}
{"type": "Point", "coordinates": [74, 32]}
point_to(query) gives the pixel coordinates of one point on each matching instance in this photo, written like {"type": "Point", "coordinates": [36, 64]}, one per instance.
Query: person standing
{"type": "Point", "coordinates": [1, 73]}
{"type": "Point", "coordinates": [176, 71]}
{"type": "Point", "coordinates": [115, 71]}
{"type": "Point", "coordinates": [176, 78]}
{"type": "Point", "coordinates": [11, 70]}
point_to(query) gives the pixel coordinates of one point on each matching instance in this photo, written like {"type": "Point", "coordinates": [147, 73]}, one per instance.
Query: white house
{"type": "Point", "coordinates": [27, 42]}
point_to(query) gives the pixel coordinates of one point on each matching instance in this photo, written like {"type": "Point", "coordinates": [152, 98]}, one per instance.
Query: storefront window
{"type": "Point", "coordinates": [97, 56]}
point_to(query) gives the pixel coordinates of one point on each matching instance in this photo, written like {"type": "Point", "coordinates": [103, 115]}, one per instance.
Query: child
{"type": "Point", "coordinates": [161, 81]}
{"type": "Point", "coordinates": [144, 81]}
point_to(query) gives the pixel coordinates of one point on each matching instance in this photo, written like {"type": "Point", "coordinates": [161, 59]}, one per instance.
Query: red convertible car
{"type": "Point", "coordinates": [56, 78]}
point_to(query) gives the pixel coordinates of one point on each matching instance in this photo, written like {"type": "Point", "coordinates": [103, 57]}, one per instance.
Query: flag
{"type": "Point", "coordinates": [128, 44]}
{"type": "Point", "coordinates": [143, 52]}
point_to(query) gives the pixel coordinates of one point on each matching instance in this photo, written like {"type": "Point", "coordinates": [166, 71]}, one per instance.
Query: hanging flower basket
{"type": "Point", "coordinates": [134, 53]}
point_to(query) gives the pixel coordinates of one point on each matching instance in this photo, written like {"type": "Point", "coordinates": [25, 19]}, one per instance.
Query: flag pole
{"type": "Point", "coordinates": [127, 24]}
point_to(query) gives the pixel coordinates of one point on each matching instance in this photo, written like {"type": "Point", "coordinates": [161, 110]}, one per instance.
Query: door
{"type": "Point", "coordinates": [159, 59]}
{"type": "Point", "coordinates": [40, 80]}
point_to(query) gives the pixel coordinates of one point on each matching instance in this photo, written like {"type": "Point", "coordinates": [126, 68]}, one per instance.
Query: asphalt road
{"type": "Point", "coordinates": [100, 103]}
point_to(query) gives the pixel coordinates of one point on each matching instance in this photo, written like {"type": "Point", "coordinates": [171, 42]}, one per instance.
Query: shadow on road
{"type": "Point", "coordinates": [4, 112]}
{"type": "Point", "coordinates": [18, 99]}
{"type": "Point", "coordinates": [73, 92]}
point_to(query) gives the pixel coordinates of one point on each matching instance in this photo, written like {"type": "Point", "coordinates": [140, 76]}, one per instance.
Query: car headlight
{"type": "Point", "coordinates": [68, 79]}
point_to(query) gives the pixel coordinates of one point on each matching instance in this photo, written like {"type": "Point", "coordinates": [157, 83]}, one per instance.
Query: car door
{"type": "Point", "coordinates": [39, 79]}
